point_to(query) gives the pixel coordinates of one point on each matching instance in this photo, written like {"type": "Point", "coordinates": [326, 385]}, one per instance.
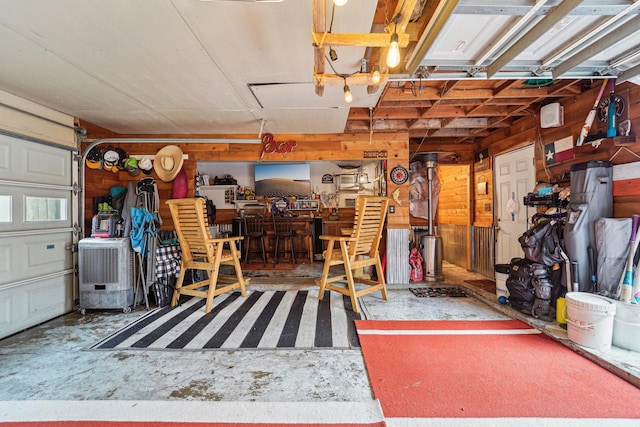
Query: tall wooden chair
{"type": "Point", "coordinates": [201, 252]}
{"type": "Point", "coordinates": [254, 232]}
{"type": "Point", "coordinates": [283, 229]}
{"type": "Point", "coordinates": [357, 250]}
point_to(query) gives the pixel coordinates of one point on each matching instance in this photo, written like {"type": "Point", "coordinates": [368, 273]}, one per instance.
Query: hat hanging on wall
{"type": "Point", "coordinates": [111, 159]}
{"type": "Point", "coordinates": [131, 166]}
{"type": "Point", "coordinates": [168, 162]}
{"type": "Point", "coordinates": [94, 158]}
{"type": "Point", "coordinates": [145, 165]}
{"type": "Point", "coordinates": [122, 157]}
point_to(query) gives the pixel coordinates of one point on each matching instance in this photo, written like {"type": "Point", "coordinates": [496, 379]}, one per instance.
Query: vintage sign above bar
{"type": "Point", "coordinates": [270, 145]}
{"type": "Point", "coordinates": [375, 154]}
{"type": "Point", "coordinates": [327, 178]}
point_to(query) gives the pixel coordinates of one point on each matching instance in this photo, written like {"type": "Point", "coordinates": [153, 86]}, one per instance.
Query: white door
{"type": "Point", "coordinates": [515, 177]}
{"type": "Point", "coordinates": [38, 212]}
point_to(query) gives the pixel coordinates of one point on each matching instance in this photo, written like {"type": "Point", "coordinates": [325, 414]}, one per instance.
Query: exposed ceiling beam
{"type": "Point", "coordinates": [402, 14]}
{"type": "Point", "coordinates": [319, 24]}
{"type": "Point", "coordinates": [595, 48]}
{"type": "Point", "coordinates": [321, 38]}
{"type": "Point", "coordinates": [351, 79]}
{"type": "Point", "coordinates": [441, 15]}
{"type": "Point", "coordinates": [357, 39]}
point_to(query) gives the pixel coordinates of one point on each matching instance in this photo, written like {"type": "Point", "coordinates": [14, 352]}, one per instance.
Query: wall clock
{"type": "Point", "coordinates": [399, 175]}
{"type": "Point", "coordinates": [601, 112]}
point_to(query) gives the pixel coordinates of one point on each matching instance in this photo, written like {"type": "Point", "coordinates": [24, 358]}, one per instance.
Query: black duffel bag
{"type": "Point", "coordinates": [520, 285]}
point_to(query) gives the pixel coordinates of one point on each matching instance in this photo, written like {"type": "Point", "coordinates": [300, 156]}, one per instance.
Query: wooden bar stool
{"type": "Point", "coordinates": [254, 232]}
{"type": "Point", "coordinates": [304, 232]}
{"type": "Point", "coordinates": [283, 228]}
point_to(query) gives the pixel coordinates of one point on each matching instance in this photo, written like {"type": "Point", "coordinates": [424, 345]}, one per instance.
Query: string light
{"type": "Point", "coordinates": [393, 56]}
{"type": "Point", "coordinates": [375, 75]}
{"type": "Point", "coordinates": [348, 96]}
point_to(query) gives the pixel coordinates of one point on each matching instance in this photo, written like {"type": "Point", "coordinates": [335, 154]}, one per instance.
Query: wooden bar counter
{"type": "Point", "coordinates": [306, 234]}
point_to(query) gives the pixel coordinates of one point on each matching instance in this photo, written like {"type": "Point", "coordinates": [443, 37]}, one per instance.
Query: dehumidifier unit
{"type": "Point", "coordinates": [106, 270]}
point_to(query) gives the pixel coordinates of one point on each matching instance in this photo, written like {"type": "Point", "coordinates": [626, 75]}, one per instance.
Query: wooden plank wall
{"type": "Point", "coordinates": [528, 131]}
{"type": "Point", "coordinates": [307, 148]}
{"type": "Point", "coordinates": [454, 202]}
{"type": "Point", "coordinates": [482, 203]}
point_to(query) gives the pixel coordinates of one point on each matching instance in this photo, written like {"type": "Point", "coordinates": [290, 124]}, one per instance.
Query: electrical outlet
{"type": "Point", "coordinates": [392, 209]}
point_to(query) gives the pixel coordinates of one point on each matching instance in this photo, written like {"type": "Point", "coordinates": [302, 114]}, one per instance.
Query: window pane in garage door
{"type": "Point", "coordinates": [5, 208]}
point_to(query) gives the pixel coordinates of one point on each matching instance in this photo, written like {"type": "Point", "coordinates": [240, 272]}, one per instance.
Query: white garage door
{"type": "Point", "coordinates": [38, 211]}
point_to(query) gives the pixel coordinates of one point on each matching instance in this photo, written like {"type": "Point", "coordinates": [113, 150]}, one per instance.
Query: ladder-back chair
{"type": "Point", "coordinates": [202, 252]}
{"type": "Point", "coordinates": [356, 250]}
{"type": "Point", "coordinates": [254, 232]}
{"type": "Point", "coordinates": [283, 229]}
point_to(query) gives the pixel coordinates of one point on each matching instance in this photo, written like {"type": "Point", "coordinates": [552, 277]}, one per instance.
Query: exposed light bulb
{"type": "Point", "coordinates": [393, 57]}
{"type": "Point", "coordinates": [333, 54]}
{"type": "Point", "coordinates": [375, 75]}
{"type": "Point", "coordinates": [340, 2]}
{"type": "Point", "coordinates": [348, 96]}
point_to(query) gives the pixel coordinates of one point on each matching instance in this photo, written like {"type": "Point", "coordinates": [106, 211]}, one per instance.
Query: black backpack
{"type": "Point", "coordinates": [542, 242]}
{"type": "Point", "coordinates": [520, 285]}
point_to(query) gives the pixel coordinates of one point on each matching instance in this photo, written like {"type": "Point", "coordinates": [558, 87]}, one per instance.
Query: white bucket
{"type": "Point", "coordinates": [590, 319]}
{"type": "Point", "coordinates": [501, 285]}
{"type": "Point", "coordinates": [626, 326]}
{"type": "Point", "coordinates": [501, 273]}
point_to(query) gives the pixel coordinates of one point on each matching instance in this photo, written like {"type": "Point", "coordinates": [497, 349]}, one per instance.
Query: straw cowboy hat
{"type": "Point", "coordinates": [168, 162]}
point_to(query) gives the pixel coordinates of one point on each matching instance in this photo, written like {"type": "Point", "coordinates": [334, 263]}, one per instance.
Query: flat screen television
{"type": "Point", "coordinates": [282, 180]}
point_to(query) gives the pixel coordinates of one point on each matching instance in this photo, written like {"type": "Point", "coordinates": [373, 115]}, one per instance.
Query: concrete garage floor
{"type": "Point", "coordinates": [51, 361]}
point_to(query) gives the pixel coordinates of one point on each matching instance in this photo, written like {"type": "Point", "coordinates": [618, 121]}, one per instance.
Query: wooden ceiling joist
{"type": "Point", "coordinates": [354, 39]}
{"type": "Point", "coordinates": [322, 38]}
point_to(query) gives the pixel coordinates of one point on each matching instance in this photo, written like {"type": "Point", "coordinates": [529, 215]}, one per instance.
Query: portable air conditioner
{"type": "Point", "coordinates": [106, 270]}
{"type": "Point", "coordinates": [551, 115]}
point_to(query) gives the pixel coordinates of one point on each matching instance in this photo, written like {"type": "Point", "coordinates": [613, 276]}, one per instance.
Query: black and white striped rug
{"type": "Point", "coordinates": [262, 320]}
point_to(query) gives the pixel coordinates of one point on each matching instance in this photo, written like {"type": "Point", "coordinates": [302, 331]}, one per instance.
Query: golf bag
{"type": "Point", "coordinates": [591, 199]}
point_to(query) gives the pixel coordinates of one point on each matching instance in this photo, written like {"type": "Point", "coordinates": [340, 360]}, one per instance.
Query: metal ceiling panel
{"type": "Point", "coordinates": [465, 37]}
